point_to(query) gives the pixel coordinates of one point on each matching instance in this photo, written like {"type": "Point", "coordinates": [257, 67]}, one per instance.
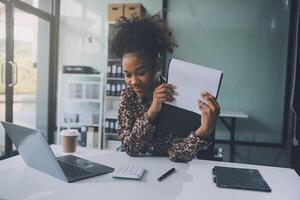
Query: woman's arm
{"type": "Point", "coordinates": [185, 149]}
{"type": "Point", "coordinates": [134, 132]}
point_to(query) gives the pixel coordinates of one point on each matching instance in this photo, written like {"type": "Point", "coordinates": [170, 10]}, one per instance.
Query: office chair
{"type": "Point", "coordinates": [211, 153]}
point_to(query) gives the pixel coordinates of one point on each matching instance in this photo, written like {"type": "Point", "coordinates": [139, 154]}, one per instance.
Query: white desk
{"type": "Point", "coordinates": [191, 181]}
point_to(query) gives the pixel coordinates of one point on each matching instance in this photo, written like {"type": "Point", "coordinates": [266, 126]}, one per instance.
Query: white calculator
{"type": "Point", "coordinates": [129, 172]}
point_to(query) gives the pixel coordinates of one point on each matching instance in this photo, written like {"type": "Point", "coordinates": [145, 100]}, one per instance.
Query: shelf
{"type": "Point", "coordinates": [109, 114]}
{"type": "Point", "coordinates": [76, 125]}
{"type": "Point", "coordinates": [113, 136]}
{"type": "Point", "coordinates": [83, 82]}
{"type": "Point", "coordinates": [114, 60]}
{"type": "Point", "coordinates": [116, 78]}
{"type": "Point", "coordinates": [111, 117]}
{"type": "Point", "coordinates": [113, 97]}
{"type": "Point", "coordinates": [80, 75]}
{"type": "Point", "coordinates": [113, 83]}
{"type": "Point", "coordinates": [85, 100]}
{"type": "Point", "coordinates": [111, 133]}
{"type": "Point", "coordinates": [80, 102]}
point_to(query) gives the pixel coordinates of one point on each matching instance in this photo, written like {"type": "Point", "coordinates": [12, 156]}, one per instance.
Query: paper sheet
{"type": "Point", "coordinates": [191, 80]}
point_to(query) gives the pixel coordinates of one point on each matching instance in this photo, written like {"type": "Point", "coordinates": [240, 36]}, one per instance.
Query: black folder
{"type": "Point", "coordinates": [177, 121]}
{"type": "Point", "coordinates": [240, 178]}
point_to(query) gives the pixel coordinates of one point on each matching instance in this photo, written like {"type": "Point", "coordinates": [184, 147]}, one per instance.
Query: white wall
{"type": "Point", "coordinates": [83, 20]}
{"type": "Point", "coordinates": [247, 39]}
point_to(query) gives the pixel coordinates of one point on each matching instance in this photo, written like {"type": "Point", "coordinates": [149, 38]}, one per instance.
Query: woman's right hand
{"type": "Point", "coordinates": [162, 93]}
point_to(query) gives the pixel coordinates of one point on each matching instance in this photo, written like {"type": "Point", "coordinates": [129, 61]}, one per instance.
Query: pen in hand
{"type": "Point", "coordinates": [165, 175]}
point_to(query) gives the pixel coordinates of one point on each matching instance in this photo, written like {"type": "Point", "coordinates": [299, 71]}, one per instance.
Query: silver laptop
{"type": "Point", "coordinates": [36, 153]}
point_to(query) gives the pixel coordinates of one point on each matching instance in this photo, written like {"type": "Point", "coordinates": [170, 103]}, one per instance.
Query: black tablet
{"type": "Point", "coordinates": [240, 178]}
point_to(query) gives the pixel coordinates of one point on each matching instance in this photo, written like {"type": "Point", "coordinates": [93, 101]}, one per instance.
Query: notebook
{"type": "Point", "coordinates": [239, 178]}
{"type": "Point", "coordinates": [182, 116]}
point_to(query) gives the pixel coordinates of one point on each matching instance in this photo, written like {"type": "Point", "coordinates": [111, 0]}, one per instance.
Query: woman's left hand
{"type": "Point", "coordinates": [210, 110]}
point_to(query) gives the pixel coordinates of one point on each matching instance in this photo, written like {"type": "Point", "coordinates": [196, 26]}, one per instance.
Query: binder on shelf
{"type": "Point", "coordinates": [107, 89]}
{"type": "Point", "coordinates": [121, 72]}
{"type": "Point", "coordinates": [106, 125]}
{"type": "Point", "coordinates": [114, 70]}
{"type": "Point", "coordinates": [118, 74]}
{"type": "Point", "coordinates": [114, 91]}
{"type": "Point", "coordinates": [90, 135]}
{"type": "Point", "coordinates": [109, 71]}
{"type": "Point", "coordinates": [111, 125]}
{"type": "Point", "coordinates": [116, 126]}
{"type": "Point", "coordinates": [82, 136]}
{"type": "Point", "coordinates": [111, 89]}
{"type": "Point", "coordinates": [114, 88]}
{"type": "Point", "coordinates": [118, 89]}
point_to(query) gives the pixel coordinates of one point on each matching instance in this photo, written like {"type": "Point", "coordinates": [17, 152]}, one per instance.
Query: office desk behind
{"type": "Point", "coordinates": [191, 180]}
{"type": "Point", "coordinates": [230, 126]}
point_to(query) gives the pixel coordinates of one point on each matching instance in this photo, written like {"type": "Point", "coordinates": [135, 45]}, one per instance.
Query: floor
{"type": "Point", "coordinates": [271, 156]}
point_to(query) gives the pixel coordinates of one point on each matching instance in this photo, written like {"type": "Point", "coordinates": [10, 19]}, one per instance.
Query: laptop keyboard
{"type": "Point", "coordinates": [72, 171]}
{"type": "Point", "coordinates": [70, 159]}
{"type": "Point", "coordinates": [78, 162]}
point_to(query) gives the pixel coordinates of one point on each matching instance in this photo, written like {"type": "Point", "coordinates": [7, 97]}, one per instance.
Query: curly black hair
{"type": "Point", "coordinates": [148, 36]}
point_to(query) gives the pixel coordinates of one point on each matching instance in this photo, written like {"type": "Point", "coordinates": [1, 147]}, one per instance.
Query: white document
{"type": "Point", "coordinates": [191, 80]}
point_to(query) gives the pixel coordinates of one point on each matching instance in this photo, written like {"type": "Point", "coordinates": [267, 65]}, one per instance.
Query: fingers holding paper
{"type": "Point", "coordinates": [162, 93]}
{"type": "Point", "coordinates": [210, 110]}
{"type": "Point", "coordinates": [209, 101]}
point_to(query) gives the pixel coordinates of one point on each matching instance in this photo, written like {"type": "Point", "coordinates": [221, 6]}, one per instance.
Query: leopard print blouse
{"type": "Point", "coordinates": [139, 135]}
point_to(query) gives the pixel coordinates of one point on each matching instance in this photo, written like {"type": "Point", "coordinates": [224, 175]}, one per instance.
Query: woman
{"type": "Point", "coordinates": [140, 42]}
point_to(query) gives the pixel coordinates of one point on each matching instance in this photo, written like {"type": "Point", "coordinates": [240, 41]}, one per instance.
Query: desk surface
{"type": "Point", "coordinates": [192, 180]}
{"type": "Point", "coordinates": [235, 114]}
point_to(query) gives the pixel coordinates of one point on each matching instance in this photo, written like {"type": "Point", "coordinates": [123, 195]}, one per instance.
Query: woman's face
{"type": "Point", "coordinates": [138, 74]}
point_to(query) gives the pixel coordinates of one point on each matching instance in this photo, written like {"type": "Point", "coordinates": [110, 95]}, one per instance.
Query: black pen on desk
{"type": "Point", "coordinates": [165, 175]}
